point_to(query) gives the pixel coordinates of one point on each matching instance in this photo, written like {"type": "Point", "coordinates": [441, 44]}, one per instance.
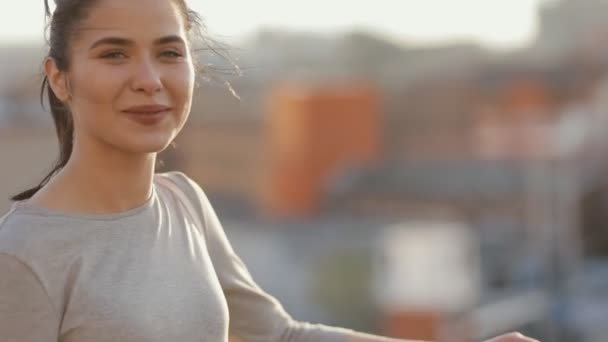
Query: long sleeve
{"type": "Point", "coordinates": [255, 316]}
{"type": "Point", "coordinates": [26, 313]}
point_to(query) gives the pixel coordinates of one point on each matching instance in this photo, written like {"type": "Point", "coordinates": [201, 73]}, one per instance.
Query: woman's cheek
{"type": "Point", "coordinates": [180, 87]}
{"type": "Point", "coordinates": [100, 88]}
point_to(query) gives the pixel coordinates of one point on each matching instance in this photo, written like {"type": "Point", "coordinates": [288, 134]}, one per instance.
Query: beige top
{"type": "Point", "coordinates": [148, 274]}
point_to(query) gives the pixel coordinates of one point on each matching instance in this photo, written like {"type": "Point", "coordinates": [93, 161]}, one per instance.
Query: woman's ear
{"type": "Point", "coordinates": [57, 79]}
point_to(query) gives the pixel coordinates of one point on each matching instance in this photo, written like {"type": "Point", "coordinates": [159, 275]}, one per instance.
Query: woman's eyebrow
{"type": "Point", "coordinates": [169, 40]}
{"type": "Point", "coordinates": [127, 42]}
{"type": "Point", "coordinates": [112, 41]}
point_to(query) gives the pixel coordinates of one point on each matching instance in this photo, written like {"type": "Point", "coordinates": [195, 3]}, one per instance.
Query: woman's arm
{"type": "Point", "coordinates": [254, 314]}
{"type": "Point", "coordinates": [512, 337]}
{"type": "Point", "coordinates": [362, 337]}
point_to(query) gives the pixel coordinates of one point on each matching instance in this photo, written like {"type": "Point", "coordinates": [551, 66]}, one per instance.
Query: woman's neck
{"type": "Point", "coordinates": [93, 182]}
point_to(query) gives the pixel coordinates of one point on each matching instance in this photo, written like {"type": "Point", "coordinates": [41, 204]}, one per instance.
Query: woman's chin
{"type": "Point", "coordinates": [149, 146]}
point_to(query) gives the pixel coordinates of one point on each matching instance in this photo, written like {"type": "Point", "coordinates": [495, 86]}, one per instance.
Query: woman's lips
{"type": "Point", "coordinates": [147, 114]}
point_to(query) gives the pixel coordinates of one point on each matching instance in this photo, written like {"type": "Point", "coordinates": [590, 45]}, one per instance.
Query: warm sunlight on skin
{"type": "Point", "coordinates": [129, 87]}
{"type": "Point", "coordinates": [132, 78]}
{"type": "Point", "coordinates": [497, 23]}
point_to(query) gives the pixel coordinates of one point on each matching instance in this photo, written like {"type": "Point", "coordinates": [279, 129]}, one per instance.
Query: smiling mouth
{"type": "Point", "coordinates": [147, 110]}
{"type": "Point", "coordinates": [147, 115]}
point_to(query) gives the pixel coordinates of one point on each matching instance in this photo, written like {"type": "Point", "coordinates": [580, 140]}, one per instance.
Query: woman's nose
{"type": "Point", "coordinates": [147, 78]}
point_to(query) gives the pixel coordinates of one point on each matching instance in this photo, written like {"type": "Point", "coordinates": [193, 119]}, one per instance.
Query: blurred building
{"type": "Point", "coordinates": [315, 133]}
{"type": "Point", "coordinates": [26, 154]}
{"type": "Point", "coordinates": [586, 25]}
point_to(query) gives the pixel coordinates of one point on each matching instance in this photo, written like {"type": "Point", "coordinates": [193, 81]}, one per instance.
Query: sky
{"type": "Point", "coordinates": [496, 24]}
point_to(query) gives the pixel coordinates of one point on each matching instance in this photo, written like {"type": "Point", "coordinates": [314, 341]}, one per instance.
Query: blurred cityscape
{"type": "Point", "coordinates": [449, 192]}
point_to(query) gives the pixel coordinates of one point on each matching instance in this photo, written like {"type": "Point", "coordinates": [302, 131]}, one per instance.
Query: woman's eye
{"type": "Point", "coordinates": [114, 55]}
{"type": "Point", "coordinates": [171, 54]}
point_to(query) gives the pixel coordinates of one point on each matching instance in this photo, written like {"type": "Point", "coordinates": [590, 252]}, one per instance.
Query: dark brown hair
{"type": "Point", "coordinates": [61, 27]}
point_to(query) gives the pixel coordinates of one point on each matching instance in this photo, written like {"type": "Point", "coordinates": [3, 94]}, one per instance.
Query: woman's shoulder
{"type": "Point", "coordinates": [183, 183]}
{"type": "Point", "coordinates": [17, 232]}
{"type": "Point", "coordinates": [12, 220]}
{"type": "Point", "coordinates": [179, 184]}
{"type": "Point", "coordinates": [176, 177]}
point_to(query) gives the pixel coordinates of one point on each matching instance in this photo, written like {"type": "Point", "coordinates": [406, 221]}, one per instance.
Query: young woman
{"type": "Point", "coordinates": [104, 249]}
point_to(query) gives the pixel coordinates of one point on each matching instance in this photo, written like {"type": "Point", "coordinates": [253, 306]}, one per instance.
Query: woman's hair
{"type": "Point", "coordinates": [61, 27]}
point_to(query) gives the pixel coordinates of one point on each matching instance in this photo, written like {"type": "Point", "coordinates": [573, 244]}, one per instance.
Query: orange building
{"type": "Point", "coordinates": [314, 134]}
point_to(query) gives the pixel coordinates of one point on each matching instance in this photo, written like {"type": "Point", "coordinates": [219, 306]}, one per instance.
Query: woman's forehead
{"type": "Point", "coordinates": [134, 19]}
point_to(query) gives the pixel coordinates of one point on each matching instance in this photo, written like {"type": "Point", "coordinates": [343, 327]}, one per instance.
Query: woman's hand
{"type": "Point", "coordinates": [512, 337]}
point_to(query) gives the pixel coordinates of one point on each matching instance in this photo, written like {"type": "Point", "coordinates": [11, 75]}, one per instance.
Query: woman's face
{"type": "Point", "coordinates": [131, 75]}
